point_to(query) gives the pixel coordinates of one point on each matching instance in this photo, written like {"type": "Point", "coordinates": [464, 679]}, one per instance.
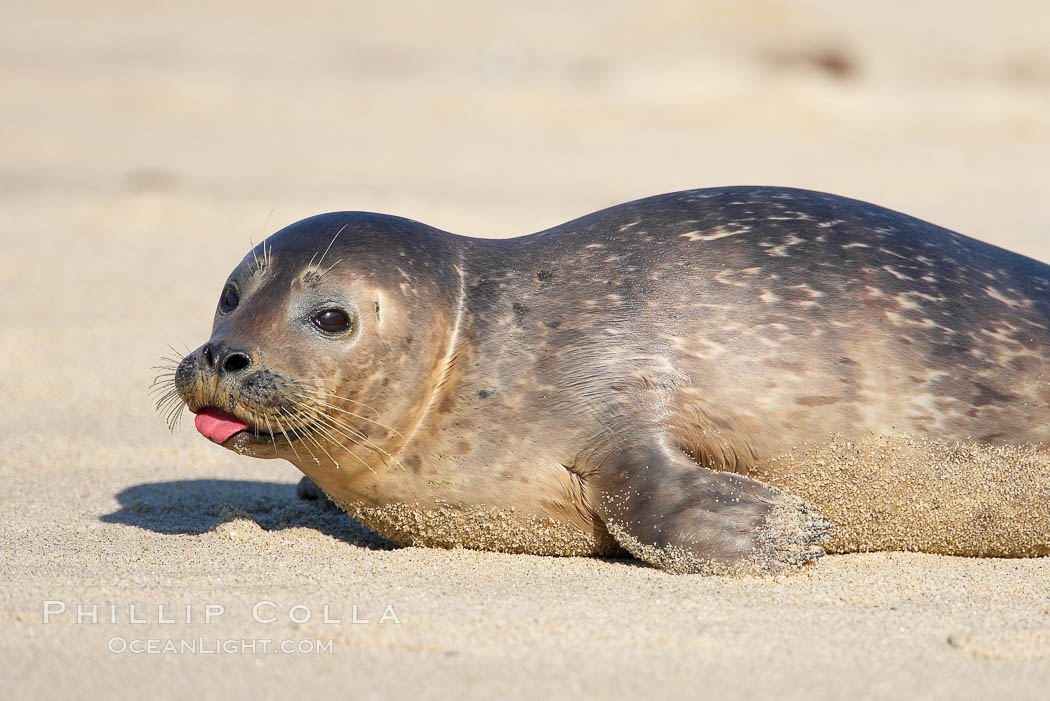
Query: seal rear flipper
{"type": "Point", "coordinates": [672, 513]}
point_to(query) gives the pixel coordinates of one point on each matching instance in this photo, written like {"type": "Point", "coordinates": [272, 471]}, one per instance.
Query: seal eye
{"type": "Point", "coordinates": [229, 299]}
{"type": "Point", "coordinates": [332, 320]}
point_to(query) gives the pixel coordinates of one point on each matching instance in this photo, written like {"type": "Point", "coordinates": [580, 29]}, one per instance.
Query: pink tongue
{"type": "Point", "coordinates": [218, 425]}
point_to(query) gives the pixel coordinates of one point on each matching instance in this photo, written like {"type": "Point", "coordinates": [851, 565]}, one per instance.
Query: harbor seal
{"type": "Point", "coordinates": [736, 379]}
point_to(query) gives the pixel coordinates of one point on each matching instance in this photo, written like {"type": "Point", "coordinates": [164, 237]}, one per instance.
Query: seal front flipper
{"type": "Point", "coordinates": [308, 490]}
{"type": "Point", "coordinates": [667, 510]}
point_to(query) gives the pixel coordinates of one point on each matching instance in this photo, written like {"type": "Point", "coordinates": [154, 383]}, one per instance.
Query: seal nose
{"type": "Point", "coordinates": [225, 361]}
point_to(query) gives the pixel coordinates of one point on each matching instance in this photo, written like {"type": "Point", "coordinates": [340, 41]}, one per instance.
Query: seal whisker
{"type": "Point", "coordinates": [325, 425]}
{"type": "Point", "coordinates": [350, 413]}
{"type": "Point", "coordinates": [255, 422]}
{"type": "Point", "coordinates": [329, 268]}
{"type": "Point", "coordinates": [322, 393]}
{"type": "Point", "coordinates": [308, 433]}
{"type": "Point", "coordinates": [286, 436]}
{"type": "Point", "coordinates": [173, 416]}
{"type": "Point", "coordinates": [254, 256]}
{"type": "Point", "coordinates": [170, 397]}
{"type": "Point", "coordinates": [304, 434]}
{"type": "Point", "coordinates": [320, 415]}
{"type": "Point", "coordinates": [354, 434]}
{"type": "Point", "coordinates": [321, 260]}
{"type": "Point", "coordinates": [162, 396]}
{"type": "Point", "coordinates": [162, 402]}
{"type": "Point", "coordinates": [266, 222]}
{"type": "Point", "coordinates": [265, 263]}
{"type": "Point", "coordinates": [367, 442]}
{"type": "Point", "coordinates": [162, 386]}
{"type": "Point", "coordinates": [166, 410]}
{"type": "Point", "coordinates": [327, 434]}
{"type": "Point", "coordinates": [315, 414]}
{"type": "Point", "coordinates": [269, 430]}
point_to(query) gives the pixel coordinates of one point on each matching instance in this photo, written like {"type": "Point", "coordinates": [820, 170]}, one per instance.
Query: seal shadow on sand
{"type": "Point", "coordinates": [195, 507]}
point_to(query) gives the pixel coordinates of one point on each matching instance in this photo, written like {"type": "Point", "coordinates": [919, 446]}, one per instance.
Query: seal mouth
{"type": "Point", "coordinates": [217, 425]}
{"type": "Point", "coordinates": [226, 429]}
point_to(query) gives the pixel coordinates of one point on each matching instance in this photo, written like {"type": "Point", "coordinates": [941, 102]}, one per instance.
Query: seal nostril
{"type": "Point", "coordinates": [209, 358]}
{"type": "Point", "coordinates": [236, 362]}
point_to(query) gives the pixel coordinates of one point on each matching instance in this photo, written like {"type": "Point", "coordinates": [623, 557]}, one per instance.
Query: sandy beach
{"type": "Point", "coordinates": [142, 147]}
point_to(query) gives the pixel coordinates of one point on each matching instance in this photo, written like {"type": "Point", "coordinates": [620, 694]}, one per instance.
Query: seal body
{"type": "Point", "coordinates": [726, 379]}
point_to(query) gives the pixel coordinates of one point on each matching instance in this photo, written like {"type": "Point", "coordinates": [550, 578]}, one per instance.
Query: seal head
{"type": "Point", "coordinates": [298, 352]}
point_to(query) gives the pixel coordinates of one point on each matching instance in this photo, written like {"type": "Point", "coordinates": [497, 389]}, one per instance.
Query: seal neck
{"type": "Point", "coordinates": [443, 383]}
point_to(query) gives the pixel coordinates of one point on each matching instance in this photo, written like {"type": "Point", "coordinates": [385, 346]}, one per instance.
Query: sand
{"type": "Point", "coordinates": [141, 148]}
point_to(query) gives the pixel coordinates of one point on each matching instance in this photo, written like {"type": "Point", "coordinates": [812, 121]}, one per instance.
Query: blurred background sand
{"type": "Point", "coordinates": [142, 144]}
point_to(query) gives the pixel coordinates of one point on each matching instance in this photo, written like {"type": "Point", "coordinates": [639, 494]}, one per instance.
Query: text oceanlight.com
{"type": "Point", "coordinates": [206, 646]}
